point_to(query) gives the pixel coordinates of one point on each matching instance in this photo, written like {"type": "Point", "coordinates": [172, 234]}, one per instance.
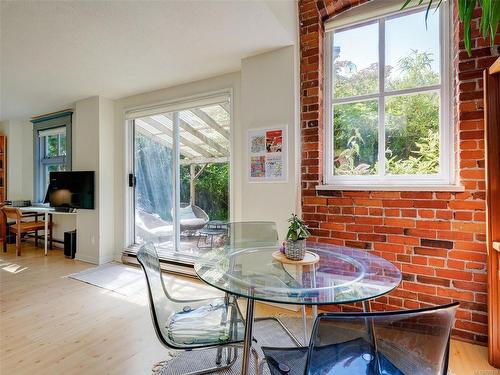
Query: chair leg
{"type": "Point", "coordinates": [218, 357]}
{"type": "Point", "coordinates": [18, 244]}
{"type": "Point", "coordinates": [261, 366]}
{"type": "Point", "coordinates": [36, 238]}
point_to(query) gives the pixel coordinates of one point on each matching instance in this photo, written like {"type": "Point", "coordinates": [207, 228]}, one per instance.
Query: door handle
{"type": "Point", "coordinates": [131, 180]}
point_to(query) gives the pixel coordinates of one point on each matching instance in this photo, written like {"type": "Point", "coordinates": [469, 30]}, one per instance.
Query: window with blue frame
{"type": "Point", "coordinates": [52, 149]}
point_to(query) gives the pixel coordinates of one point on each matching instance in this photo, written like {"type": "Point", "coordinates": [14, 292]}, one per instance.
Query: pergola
{"type": "Point", "coordinates": [204, 136]}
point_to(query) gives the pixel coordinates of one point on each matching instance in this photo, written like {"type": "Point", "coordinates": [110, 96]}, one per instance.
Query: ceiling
{"type": "Point", "coordinates": [55, 53]}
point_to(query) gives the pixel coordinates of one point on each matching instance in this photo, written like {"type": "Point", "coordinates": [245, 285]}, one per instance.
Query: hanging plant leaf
{"type": "Point", "coordinates": [467, 20]}
{"type": "Point", "coordinates": [494, 20]}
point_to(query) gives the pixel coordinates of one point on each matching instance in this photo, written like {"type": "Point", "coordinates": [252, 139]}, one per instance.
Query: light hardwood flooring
{"type": "Point", "coordinates": [53, 325]}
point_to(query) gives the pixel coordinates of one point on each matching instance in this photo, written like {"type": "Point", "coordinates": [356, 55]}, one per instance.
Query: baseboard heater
{"type": "Point", "coordinates": [166, 265]}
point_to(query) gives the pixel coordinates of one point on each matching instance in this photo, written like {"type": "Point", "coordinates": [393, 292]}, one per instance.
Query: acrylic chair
{"type": "Point", "coordinates": [251, 233]}
{"type": "Point", "coordinates": [391, 343]}
{"type": "Point", "coordinates": [191, 324]}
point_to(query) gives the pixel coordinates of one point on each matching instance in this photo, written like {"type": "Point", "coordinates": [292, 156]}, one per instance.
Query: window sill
{"type": "Point", "coordinates": [378, 187]}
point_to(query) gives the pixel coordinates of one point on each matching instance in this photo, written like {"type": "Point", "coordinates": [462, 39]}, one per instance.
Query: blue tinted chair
{"type": "Point", "coordinates": [191, 324]}
{"type": "Point", "coordinates": [389, 343]}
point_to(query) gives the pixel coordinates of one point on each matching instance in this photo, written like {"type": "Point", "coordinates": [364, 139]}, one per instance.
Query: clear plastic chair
{"type": "Point", "coordinates": [251, 233]}
{"type": "Point", "coordinates": [191, 324]}
{"type": "Point", "coordinates": [390, 343]}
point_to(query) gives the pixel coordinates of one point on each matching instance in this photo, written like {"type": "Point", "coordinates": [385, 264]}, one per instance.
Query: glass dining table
{"type": "Point", "coordinates": [253, 270]}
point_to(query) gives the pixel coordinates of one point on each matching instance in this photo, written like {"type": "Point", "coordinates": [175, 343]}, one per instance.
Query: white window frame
{"type": "Point", "coordinates": [49, 125]}
{"type": "Point", "coordinates": [446, 177]}
{"type": "Point", "coordinates": [171, 106]}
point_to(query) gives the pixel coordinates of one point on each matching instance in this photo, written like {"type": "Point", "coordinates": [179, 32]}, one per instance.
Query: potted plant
{"type": "Point", "coordinates": [298, 232]}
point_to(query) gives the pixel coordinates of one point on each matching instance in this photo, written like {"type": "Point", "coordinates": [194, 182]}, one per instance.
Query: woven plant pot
{"type": "Point", "coordinates": [295, 250]}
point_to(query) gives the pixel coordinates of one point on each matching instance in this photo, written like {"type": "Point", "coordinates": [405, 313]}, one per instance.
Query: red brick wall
{"type": "Point", "coordinates": [437, 239]}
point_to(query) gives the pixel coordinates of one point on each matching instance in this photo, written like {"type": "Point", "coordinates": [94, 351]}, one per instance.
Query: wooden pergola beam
{"type": "Point", "coordinates": [210, 122]}
{"type": "Point", "coordinates": [164, 129]}
{"type": "Point", "coordinates": [195, 133]}
{"type": "Point", "coordinates": [145, 132]}
{"type": "Point", "coordinates": [214, 160]}
{"type": "Point", "coordinates": [167, 142]}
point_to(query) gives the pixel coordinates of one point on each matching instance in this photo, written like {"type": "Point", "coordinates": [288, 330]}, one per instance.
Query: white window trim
{"type": "Point", "coordinates": [445, 180]}
{"type": "Point", "coordinates": [131, 113]}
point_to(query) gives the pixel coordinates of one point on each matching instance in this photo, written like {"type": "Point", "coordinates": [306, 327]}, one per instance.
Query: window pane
{"type": "Point", "coordinates": [62, 144]}
{"type": "Point", "coordinates": [51, 146]}
{"type": "Point", "coordinates": [355, 138]}
{"type": "Point", "coordinates": [355, 61]}
{"type": "Point", "coordinates": [412, 51]}
{"type": "Point", "coordinates": [204, 172]}
{"type": "Point", "coordinates": [412, 134]}
{"type": "Point", "coordinates": [154, 197]}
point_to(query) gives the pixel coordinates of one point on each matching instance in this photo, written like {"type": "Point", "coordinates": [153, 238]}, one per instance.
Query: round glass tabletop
{"type": "Point", "coordinates": [342, 275]}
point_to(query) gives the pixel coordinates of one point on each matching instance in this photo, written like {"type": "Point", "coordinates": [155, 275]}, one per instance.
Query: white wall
{"type": "Point", "coordinates": [268, 98]}
{"type": "Point", "coordinates": [85, 157]}
{"type": "Point", "coordinates": [93, 150]}
{"type": "Point", "coordinates": [106, 180]}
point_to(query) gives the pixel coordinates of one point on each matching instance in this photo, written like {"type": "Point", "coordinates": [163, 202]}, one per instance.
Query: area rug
{"type": "Point", "coordinates": [266, 333]}
{"type": "Point", "coordinates": [130, 281]}
{"type": "Point", "coordinates": [114, 277]}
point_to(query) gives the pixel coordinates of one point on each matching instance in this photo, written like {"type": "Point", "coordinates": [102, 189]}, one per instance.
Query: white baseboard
{"type": "Point", "coordinates": [86, 259]}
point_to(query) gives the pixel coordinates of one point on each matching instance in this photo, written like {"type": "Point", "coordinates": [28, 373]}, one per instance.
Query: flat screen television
{"type": "Point", "coordinates": [73, 189]}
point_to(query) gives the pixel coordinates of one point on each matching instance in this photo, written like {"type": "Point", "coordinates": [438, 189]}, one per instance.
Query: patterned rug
{"type": "Point", "coordinates": [266, 333]}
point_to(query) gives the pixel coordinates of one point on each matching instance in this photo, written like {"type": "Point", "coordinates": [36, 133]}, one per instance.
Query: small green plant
{"type": "Point", "coordinates": [297, 230]}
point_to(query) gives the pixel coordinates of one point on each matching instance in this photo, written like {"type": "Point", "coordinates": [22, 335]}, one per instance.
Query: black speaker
{"type": "Point", "coordinates": [70, 244]}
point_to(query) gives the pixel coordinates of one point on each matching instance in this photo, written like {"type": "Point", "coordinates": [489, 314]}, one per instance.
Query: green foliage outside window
{"type": "Point", "coordinates": [411, 121]}
{"type": "Point", "coordinates": [212, 189]}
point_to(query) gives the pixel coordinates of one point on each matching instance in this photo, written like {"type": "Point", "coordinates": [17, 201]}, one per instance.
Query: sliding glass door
{"type": "Point", "coordinates": [181, 170]}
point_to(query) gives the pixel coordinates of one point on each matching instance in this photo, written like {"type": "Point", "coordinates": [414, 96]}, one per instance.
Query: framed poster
{"type": "Point", "coordinates": [267, 154]}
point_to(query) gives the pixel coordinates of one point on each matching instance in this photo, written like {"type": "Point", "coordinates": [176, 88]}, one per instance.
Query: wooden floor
{"type": "Point", "coordinates": [54, 325]}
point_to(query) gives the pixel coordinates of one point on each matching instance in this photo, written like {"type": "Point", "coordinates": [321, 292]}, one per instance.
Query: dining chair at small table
{"type": "Point", "coordinates": [20, 227]}
{"type": "Point", "coordinates": [192, 324]}
{"type": "Point", "coordinates": [378, 343]}
{"type": "Point", "coordinates": [242, 233]}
